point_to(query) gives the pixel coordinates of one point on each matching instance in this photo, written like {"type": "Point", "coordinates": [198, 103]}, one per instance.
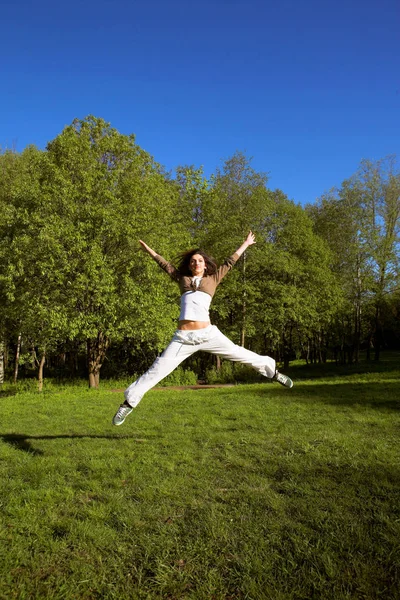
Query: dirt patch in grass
{"type": "Point", "coordinates": [199, 386]}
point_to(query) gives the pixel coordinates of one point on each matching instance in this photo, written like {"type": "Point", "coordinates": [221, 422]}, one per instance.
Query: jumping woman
{"type": "Point", "coordinates": [198, 277]}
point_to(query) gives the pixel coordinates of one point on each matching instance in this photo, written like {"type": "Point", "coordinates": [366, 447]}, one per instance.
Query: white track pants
{"type": "Point", "coordinates": [186, 343]}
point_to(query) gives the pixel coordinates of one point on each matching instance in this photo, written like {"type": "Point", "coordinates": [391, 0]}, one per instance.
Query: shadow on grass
{"type": "Point", "coordinates": [387, 366]}
{"type": "Point", "coordinates": [7, 393]}
{"type": "Point", "coordinates": [378, 395]}
{"type": "Point", "coordinates": [22, 442]}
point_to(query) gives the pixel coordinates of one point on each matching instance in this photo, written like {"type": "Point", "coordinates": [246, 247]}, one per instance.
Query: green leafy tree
{"type": "Point", "coordinates": [7, 174]}
{"type": "Point", "coordinates": [31, 270]}
{"type": "Point", "coordinates": [236, 202]}
{"type": "Point", "coordinates": [378, 187]}
{"type": "Point", "coordinates": [106, 194]}
{"type": "Point", "coordinates": [360, 221]}
{"type": "Point", "coordinates": [282, 292]}
{"type": "Point", "coordinates": [2, 349]}
{"type": "Point", "coordinates": [193, 187]}
{"type": "Point", "coordinates": [337, 217]}
{"type": "Point", "coordinates": [299, 289]}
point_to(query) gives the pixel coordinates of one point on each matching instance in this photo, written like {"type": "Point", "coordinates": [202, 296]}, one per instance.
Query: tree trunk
{"type": "Point", "coordinates": [286, 358]}
{"type": "Point", "coordinates": [243, 327]}
{"type": "Point", "coordinates": [2, 346]}
{"type": "Point", "coordinates": [357, 314]}
{"type": "Point", "coordinates": [378, 333]}
{"type": "Point", "coordinates": [369, 346]}
{"type": "Point", "coordinates": [320, 348]}
{"type": "Point", "coordinates": [244, 307]}
{"type": "Point", "coordinates": [96, 352]}
{"type": "Point", "coordinates": [72, 361]}
{"type": "Point", "coordinates": [342, 352]}
{"type": "Point", "coordinates": [17, 353]}
{"type": "Point", "coordinates": [308, 351]}
{"type": "Point", "coordinates": [40, 374]}
{"type": "Point", "coordinates": [357, 335]}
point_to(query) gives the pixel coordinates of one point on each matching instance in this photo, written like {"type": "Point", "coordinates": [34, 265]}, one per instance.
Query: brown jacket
{"type": "Point", "coordinates": [208, 284]}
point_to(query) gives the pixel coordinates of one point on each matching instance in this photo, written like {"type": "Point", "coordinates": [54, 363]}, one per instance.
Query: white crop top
{"type": "Point", "coordinates": [195, 306]}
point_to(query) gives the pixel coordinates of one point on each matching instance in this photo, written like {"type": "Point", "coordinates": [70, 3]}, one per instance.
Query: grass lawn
{"type": "Point", "coordinates": [246, 492]}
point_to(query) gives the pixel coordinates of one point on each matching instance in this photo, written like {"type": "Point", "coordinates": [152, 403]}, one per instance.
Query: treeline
{"type": "Point", "coordinates": [78, 294]}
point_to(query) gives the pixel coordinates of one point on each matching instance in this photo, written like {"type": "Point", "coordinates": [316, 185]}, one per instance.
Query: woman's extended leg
{"type": "Point", "coordinates": [175, 353]}
{"type": "Point", "coordinates": [225, 348]}
{"type": "Point", "coordinates": [170, 359]}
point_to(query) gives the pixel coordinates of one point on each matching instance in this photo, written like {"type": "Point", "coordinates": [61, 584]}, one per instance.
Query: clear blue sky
{"type": "Point", "coordinates": [306, 87]}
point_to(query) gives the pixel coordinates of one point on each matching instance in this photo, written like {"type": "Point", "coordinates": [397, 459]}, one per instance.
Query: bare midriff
{"type": "Point", "coordinates": [191, 325]}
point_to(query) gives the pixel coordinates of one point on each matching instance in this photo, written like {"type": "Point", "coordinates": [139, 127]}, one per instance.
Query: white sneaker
{"type": "Point", "coordinates": [283, 379]}
{"type": "Point", "coordinates": [121, 414]}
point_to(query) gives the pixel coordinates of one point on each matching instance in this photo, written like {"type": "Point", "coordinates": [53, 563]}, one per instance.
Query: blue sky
{"type": "Point", "coordinates": [307, 88]}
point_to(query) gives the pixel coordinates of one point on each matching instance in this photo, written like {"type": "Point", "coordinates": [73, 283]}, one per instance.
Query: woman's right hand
{"type": "Point", "coordinates": [147, 248]}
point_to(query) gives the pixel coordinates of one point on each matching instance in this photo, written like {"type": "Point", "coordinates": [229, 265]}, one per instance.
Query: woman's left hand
{"type": "Point", "coordinates": [251, 239]}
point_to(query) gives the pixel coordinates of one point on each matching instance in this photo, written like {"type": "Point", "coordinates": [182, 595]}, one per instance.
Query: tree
{"type": "Point", "coordinates": [2, 348]}
{"type": "Point", "coordinates": [31, 267]}
{"type": "Point", "coordinates": [237, 201]}
{"type": "Point", "coordinates": [378, 187]}
{"type": "Point", "coordinates": [8, 171]}
{"type": "Point", "coordinates": [360, 221]}
{"type": "Point", "coordinates": [107, 193]}
{"type": "Point", "coordinates": [283, 291]}
{"type": "Point", "coordinates": [336, 217]}
{"type": "Point", "coordinates": [299, 289]}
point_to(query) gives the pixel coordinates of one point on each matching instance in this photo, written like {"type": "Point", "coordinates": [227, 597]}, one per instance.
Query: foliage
{"type": "Point", "coordinates": [73, 268]}
{"type": "Point", "coordinates": [31, 274]}
{"type": "Point", "coordinates": [232, 373]}
{"type": "Point", "coordinates": [108, 190]}
{"type": "Point", "coordinates": [283, 291]}
{"type": "Point", "coordinates": [180, 376]}
{"type": "Point", "coordinates": [361, 223]}
{"type": "Point", "coordinates": [77, 289]}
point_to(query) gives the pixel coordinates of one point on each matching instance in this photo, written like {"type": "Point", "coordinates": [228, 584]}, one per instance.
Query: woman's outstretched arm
{"type": "Point", "coordinates": [249, 241]}
{"type": "Point", "coordinates": [164, 264]}
{"type": "Point", "coordinates": [228, 264]}
{"type": "Point", "coordinates": [147, 248]}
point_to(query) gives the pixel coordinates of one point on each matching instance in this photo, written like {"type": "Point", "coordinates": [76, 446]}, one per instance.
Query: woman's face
{"type": "Point", "coordinates": [197, 265]}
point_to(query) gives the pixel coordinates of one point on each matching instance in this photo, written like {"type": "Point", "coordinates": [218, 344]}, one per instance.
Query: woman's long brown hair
{"type": "Point", "coordinates": [183, 260]}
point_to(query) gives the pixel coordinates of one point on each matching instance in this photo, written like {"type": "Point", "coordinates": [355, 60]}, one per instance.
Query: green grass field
{"type": "Point", "coordinates": [246, 492]}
